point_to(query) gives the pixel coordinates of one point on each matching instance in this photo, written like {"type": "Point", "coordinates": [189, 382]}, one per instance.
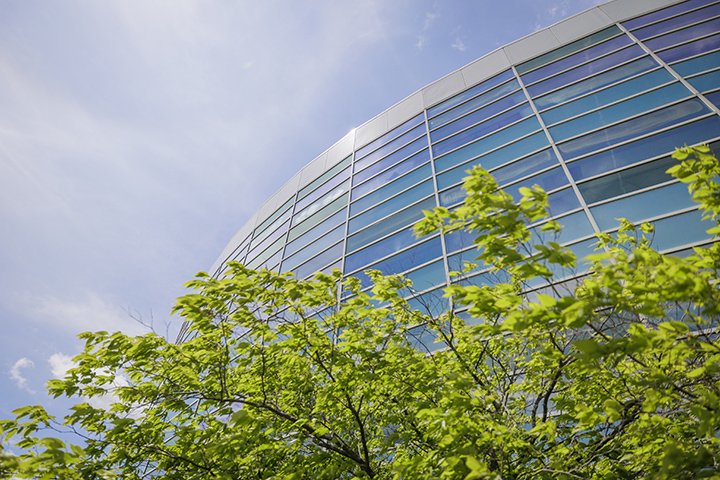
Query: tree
{"type": "Point", "coordinates": [614, 373]}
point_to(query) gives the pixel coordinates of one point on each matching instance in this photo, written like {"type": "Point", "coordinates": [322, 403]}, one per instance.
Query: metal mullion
{"type": "Point", "coordinates": [559, 156]}
{"type": "Point", "coordinates": [672, 71]}
{"type": "Point", "coordinates": [466, 114]}
{"type": "Point", "coordinates": [698, 74]}
{"type": "Point", "coordinates": [347, 219]}
{"type": "Point", "coordinates": [443, 247]}
{"type": "Point", "coordinates": [601, 107]}
{"type": "Point", "coordinates": [626, 119]}
{"type": "Point", "coordinates": [568, 69]}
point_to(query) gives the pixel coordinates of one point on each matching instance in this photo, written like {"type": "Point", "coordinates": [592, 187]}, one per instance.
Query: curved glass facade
{"type": "Point", "coordinates": [593, 121]}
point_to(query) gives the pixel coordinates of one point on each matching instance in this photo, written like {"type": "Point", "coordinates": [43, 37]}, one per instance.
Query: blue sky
{"type": "Point", "coordinates": [137, 136]}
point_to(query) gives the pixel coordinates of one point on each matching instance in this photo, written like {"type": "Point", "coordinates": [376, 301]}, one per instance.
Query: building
{"type": "Point", "coordinates": [590, 109]}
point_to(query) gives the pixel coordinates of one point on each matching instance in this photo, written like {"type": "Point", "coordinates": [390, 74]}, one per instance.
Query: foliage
{"type": "Point", "coordinates": [611, 374]}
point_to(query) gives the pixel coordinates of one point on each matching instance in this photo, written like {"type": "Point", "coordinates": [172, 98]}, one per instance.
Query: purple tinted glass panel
{"type": "Point", "coordinates": [470, 93]}
{"type": "Point", "coordinates": [417, 159]}
{"type": "Point", "coordinates": [664, 13]}
{"type": "Point", "coordinates": [577, 58]}
{"type": "Point", "coordinates": [387, 176]}
{"type": "Point", "coordinates": [684, 35]}
{"type": "Point", "coordinates": [478, 102]}
{"type": "Point", "coordinates": [390, 135]}
{"type": "Point", "coordinates": [677, 22]}
{"type": "Point", "coordinates": [689, 49]}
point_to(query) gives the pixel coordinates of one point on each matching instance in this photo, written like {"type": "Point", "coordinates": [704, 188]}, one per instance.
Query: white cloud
{"type": "Point", "coordinates": [458, 44]}
{"type": "Point", "coordinates": [60, 364]}
{"type": "Point", "coordinates": [16, 373]}
{"type": "Point", "coordinates": [89, 313]}
{"type": "Point", "coordinates": [422, 39]}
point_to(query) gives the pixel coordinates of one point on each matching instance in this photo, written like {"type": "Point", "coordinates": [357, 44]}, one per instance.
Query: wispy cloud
{"type": "Point", "coordinates": [60, 364]}
{"type": "Point", "coordinates": [422, 38]}
{"type": "Point", "coordinates": [458, 44]}
{"type": "Point", "coordinates": [17, 376]}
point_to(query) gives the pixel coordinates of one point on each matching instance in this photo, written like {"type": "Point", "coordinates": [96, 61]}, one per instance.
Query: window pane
{"type": "Point", "coordinates": [282, 211]}
{"type": "Point", "coordinates": [584, 71]}
{"type": "Point", "coordinates": [562, 201]}
{"type": "Point", "coordinates": [689, 33]}
{"type": "Point", "coordinates": [706, 81]}
{"type": "Point", "coordinates": [654, 145]}
{"type": "Point", "coordinates": [329, 198]}
{"type": "Point", "coordinates": [320, 261]}
{"type": "Point", "coordinates": [318, 245]}
{"type": "Point", "coordinates": [452, 196]}
{"type": "Point", "coordinates": [547, 181]}
{"type": "Point", "coordinates": [383, 248]}
{"type": "Point", "coordinates": [689, 49]}
{"type": "Point", "coordinates": [574, 226]}
{"type": "Point", "coordinates": [324, 177]}
{"type": "Point", "coordinates": [643, 206]}
{"type": "Point", "coordinates": [609, 95]}
{"type": "Point", "coordinates": [392, 146]}
{"type": "Point", "coordinates": [388, 175]}
{"type": "Point", "coordinates": [269, 228]}
{"type": "Point", "coordinates": [392, 223]}
{"type": "Point", "coordinates": [318, 217]}
{"type": "Point", "coordinates": [279, 232]}
{"type": "Point", "coordinates": [489, 161]}
{"type": "Point", "coordinates": [420, 157]}
{"type": "Point", "coordinates": [482, 129]}
{"type": "Point", "coordinates": [533, 163]}
{"type": "Point", "coordinates": [680, 230]}
{"type": "Point", "coordinates": [427, 276]}
{"type": "Point", "coordinates": [383, 193]}
{"type": "Point", "coordinates": [632, 128]}
{"type": "Point", "coordinates": [405, 260]}
{"type": "Point", "coordinates": [664, 13]}
{"type": "Point", "coordinates": [476, 103]}
{"type": "Point", "coordinates": [393, 205]}
{"type": "Point", "coordinates": [677, 22]}
{"type": "Point", "coordinates": [394, 157]}
{"type": "Point", "coordinates": [315, 232]}
{"type": "Point", "coordinates": [331, 185]}
{"type": "Point", "coordinates": [626, 181]}
{"type": "Point", "coordinates": [568, 49]}
{"type": "Point", "coordinates": [619, 111]}
{"type": "Point", "coordinates": [596, 82]}
{"type": "Point", "coordinates": [361, 152]}
{"type": "Point", "coordinates": [576, 59]}
{"type": "Point", "coordinates": [471, 92]}
{"type": "Point", "coordinates": [697, 64]}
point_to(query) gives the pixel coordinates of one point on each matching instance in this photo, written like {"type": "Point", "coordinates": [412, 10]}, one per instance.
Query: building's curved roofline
{"type": "Point", "coordinates": [494, 62]}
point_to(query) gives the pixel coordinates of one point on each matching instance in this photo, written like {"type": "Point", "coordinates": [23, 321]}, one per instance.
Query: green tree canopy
{"type": "Point", "coordinates": [608, 367]}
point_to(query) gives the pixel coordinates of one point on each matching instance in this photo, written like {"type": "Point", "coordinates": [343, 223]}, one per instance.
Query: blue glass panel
{"type": "Point", "coordinates": [664, 13]}
{"type": "Point", "coordinates": [677, 22]}
{"type": "Point", "coordinates": [390, 206]}
{"type": "Point", "coordinates": [642, 206]}
{"type": "Point", "coordinates": [482, 129]}
{"type": "Point", "coordinates": [706, 81]}
{"type": "Point", "coordinates": [307, 189]}
{"type": "Point", "coordinates": [300, 240]}
{"type": "Point", "coordinates": [680, 230]}
{"type": "Point", "coordinates": [390, 224]}
{"type": "Point", "coordinates": [268, 254]}
{"type": "Point", "coordinates": [385, 164]}
{"type": "Point", "coordinates": [427, 276]}
{"type": "Point", "coordinates": [273, 220]}
{"type": "Point", "coordinates": [391, 159]}
{"type": "Point", "coordinates": [459, 262]}
{"type": "Point", "coordinates": [596, 82]}
{"type": "Point", "coordinates": [270, 228]}
{"type": "Point", "coordinates": [458, 240]}
{"type": "Point", "coordinates": [272, 237]}
{"type": "Point", "coordinates": [626, 181]}
{"type": "Point", "coordinates": [528, 165]}
{"type": "Point", "coordinates": [383, 193]}
{"type": "Point", "coordinates": [338, 184]}
{"type": "Point", "coordinates": [714, 98]}
{"type": "Point", "coordinates": [362, 162]}
{"type": "Point", "coordinates": [470, 92]}
{"type": "Point", "coordinates": [383, 248]}
{"type": "Point", "coordinates": [568, 49]}
{"type": "Point", "coordinates": [452, 196]}
{"type": "Point", "coordinates": [488, 143]}
{"type": "Point", "coordinates": [575, 225]}
{"type": "Point", "coordinates": [361, 152]}
{"type": "Point", "coordinates": [576, 59]}
{"type": "Point", "coordinates": [654, 145]}
{"type": "Point", "coordinates": [584, 71]}
{"type": "Point", "coordinates": [684, 35]}
{"type": "Point", "coordinates": [551, 180]}
{"type": "Point", "coordinates": [633, 128]}
{"type": "Point", "coordinates": [697, 64]}
{"type": "Point", "coordinates": [485, 144]}
{"type": "Point", "coordinates": [318, 245]}
{"type": "Point", "coordinates": [336, 197]}
{"type": "Point", "coordinates": [619, 111]}
{"type": "Point", "coordinates": [388, 176]}
{"type": "Point", "coordinates": [431, 303]}
{"type": "Point", "coordinates": [562, 201]}
{"type": "Point", "coordinates": [481, 101]}
{"type": "Point", "coordinates": [406, 260]}
{"type": "Point", "coordinates": [320, 261]}
{"type": "Point", "coordinates": [609, 95]}
{"type": "Point", "coordinates": [318, 217]}
{"type": "Point", "coordinates": [489, 161]}
{"type": "Point", "coordinates": [690, 49]}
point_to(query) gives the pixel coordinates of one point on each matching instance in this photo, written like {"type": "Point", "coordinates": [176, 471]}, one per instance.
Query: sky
{"type": "Point", "coordinates": [137, 136]}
